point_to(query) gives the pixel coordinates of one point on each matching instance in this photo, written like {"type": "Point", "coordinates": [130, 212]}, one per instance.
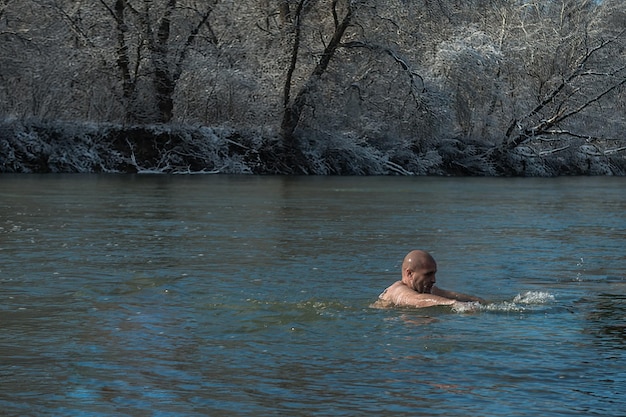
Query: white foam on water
{"type": "Point", "coordinates": [521, 302]}
{"type": "Point", "coordinates": [506, 306]}
{"type": "Point", "coordinates": [534, 297]}
{"type": "Point", "coordinates": [466, 307]}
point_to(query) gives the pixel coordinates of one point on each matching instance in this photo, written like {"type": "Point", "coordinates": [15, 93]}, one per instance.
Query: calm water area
{"type": "Point", "coordinates": [160, 295]}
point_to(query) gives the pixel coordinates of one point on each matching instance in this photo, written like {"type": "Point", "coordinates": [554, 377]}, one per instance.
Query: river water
{"type": "Point", "coordinates": [244, 295]}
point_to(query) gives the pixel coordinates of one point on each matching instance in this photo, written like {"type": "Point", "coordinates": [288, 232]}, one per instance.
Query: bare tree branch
{"type": "Point", "coordinates": [560, 113]}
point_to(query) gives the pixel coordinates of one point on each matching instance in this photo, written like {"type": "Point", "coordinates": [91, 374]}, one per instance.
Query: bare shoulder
{"type": "Point", "coordinates": [391, 291]}
{"type": "Point", "coordinates": [387, 298]}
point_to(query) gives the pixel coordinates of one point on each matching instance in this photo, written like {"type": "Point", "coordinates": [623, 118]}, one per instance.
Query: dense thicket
{"type": "Point", "coordinates": [480, 87]}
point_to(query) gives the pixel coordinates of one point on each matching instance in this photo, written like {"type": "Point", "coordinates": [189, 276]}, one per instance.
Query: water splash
{"type": "Point", "coordinates": [581, 266]}
{"type": "Point", "coordinates": [468, 307]}
{"type": "Point", "coordinates": [529, 300]}
{"type": "Point", "coordinates": [534, 297]}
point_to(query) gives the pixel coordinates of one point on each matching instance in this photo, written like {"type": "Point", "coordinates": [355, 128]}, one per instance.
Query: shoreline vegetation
{"type": "Point", "coordinates": [70, 147]}
{"type": "Point", "coordinates": [314, 87]}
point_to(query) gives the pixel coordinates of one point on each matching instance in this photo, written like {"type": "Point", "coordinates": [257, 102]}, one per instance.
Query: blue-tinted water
{"type": "Point", "coordinates": [214, 295]}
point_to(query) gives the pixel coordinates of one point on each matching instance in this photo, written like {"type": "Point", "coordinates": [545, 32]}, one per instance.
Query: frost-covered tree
{"type": "Point", "coordinates": [153, 40]}
{"type": "Point", "coordinates": [422, 84]}
{"type": "Point", "coordinates": [348, 74]}
{"type": "Point", "coordinates": [574, 69]}
{"type": "Point", "coordinates": [37, 74]}
{"type": "Point", "coordinates": [541, 76]}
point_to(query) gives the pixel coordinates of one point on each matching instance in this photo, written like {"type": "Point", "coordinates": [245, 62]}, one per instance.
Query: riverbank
{"type": "Point", "coordinates": [72, 147]}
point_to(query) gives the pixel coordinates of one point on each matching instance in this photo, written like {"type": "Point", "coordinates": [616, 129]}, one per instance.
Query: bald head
{"type": "Point", "coordinates": [417, 259]}
{"type": "Point", "coordinates": [418, 271]}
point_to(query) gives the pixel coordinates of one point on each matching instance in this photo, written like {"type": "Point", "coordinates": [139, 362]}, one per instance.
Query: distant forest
{"type": "Point", "coordinates": [349, 87]}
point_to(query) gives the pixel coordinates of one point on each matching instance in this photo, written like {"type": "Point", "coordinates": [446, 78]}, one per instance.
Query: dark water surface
{"type": "Point", "coordinates": [218, 295]}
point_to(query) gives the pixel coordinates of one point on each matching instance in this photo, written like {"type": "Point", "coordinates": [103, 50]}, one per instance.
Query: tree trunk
{"type": "Point", "coordinates": [123, 60]}
{"type": "Point", "coordinates": [293, 108]}
{"type": "Point", "coordinates": [163, 82]}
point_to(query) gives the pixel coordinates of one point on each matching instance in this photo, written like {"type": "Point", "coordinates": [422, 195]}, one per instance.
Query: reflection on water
{"type": "Point", "coordinates": [607, 318]}
{"type": "Point", "coordinates": [157, 295]}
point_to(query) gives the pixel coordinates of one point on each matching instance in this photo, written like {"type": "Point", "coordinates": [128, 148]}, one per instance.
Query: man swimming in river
{"type": "Point", "coordinates": [417, 287]}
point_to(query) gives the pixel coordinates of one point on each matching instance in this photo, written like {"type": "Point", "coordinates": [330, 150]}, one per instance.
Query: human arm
{"type": "Point", "coordinates": [456, 295]}
{"type": "Point", "coordinates": [400, 295]}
